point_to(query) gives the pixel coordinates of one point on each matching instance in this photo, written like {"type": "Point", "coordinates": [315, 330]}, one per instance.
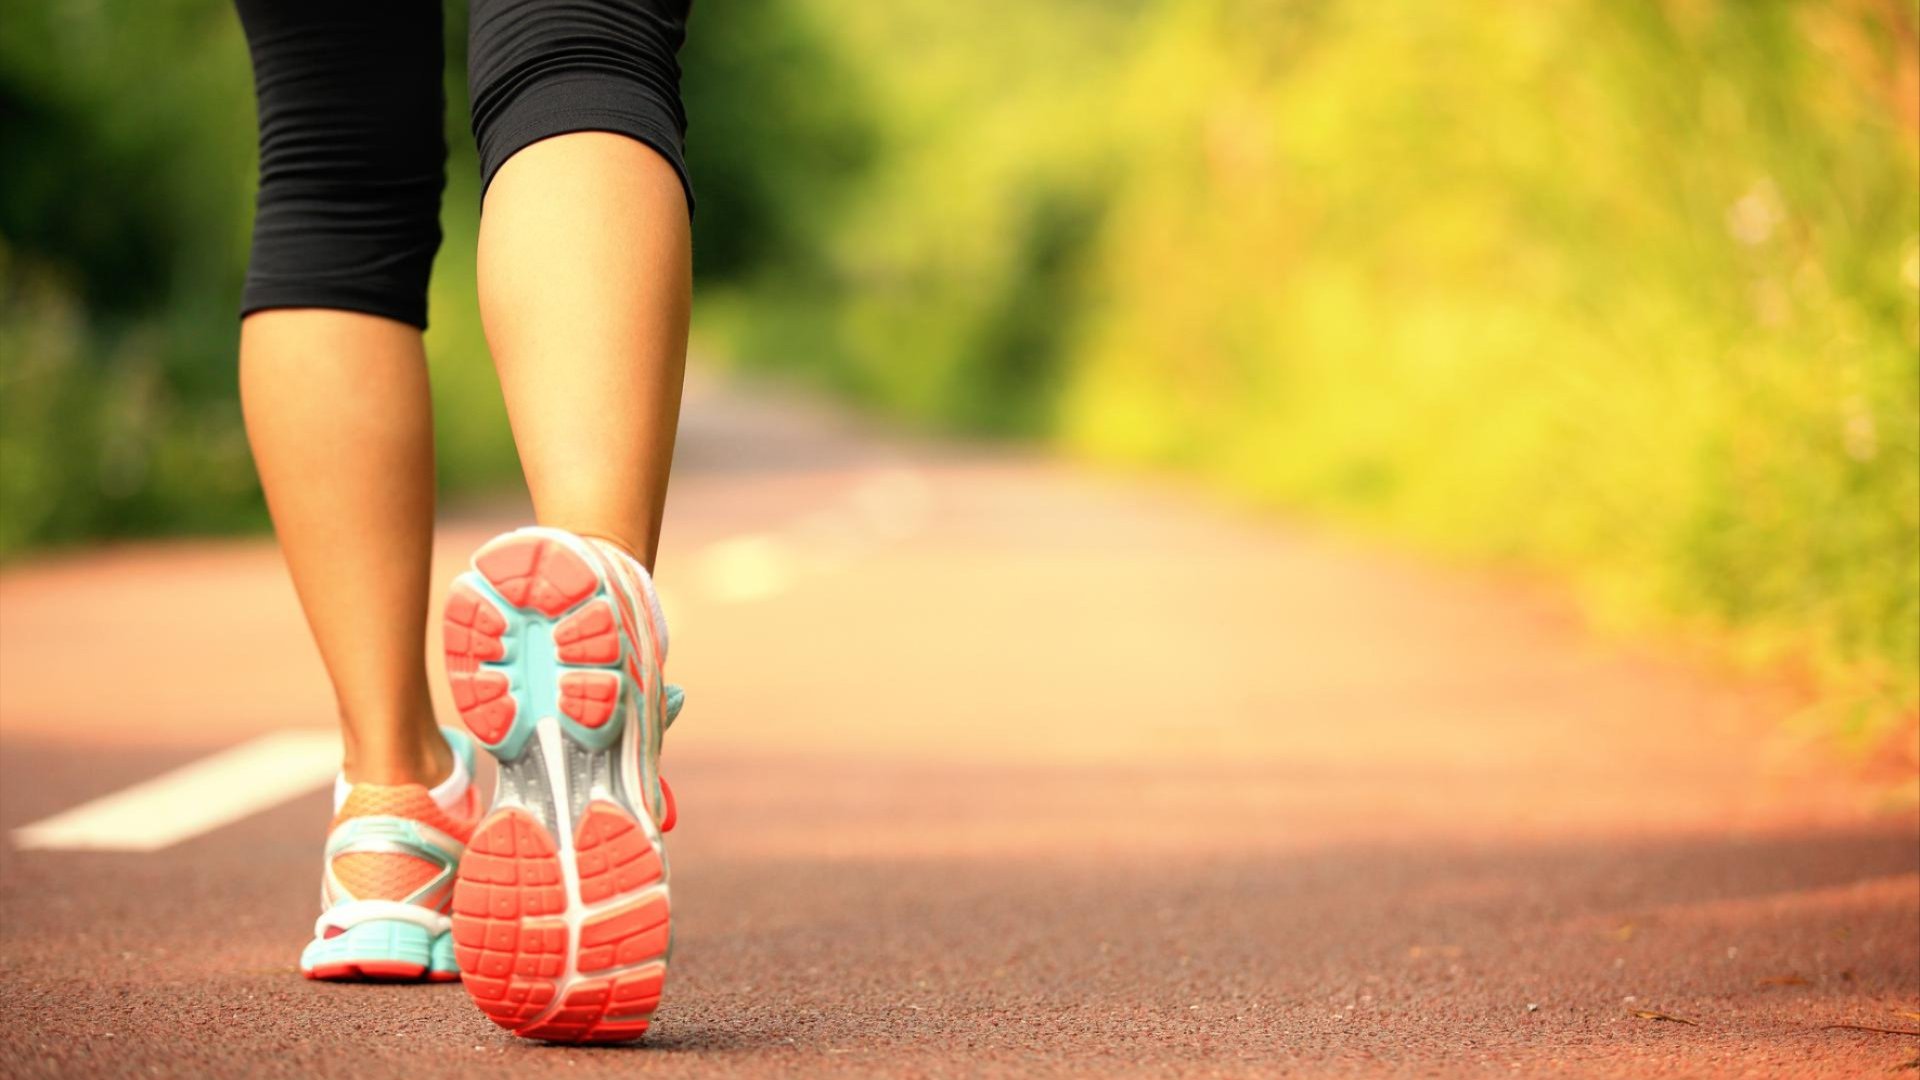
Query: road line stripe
{"type": "Point", "coordinates": [888, 505]}
{"type": "Point", "coordinates": [751, 566]}
{"type": "Point", "coordinates": [193, 799]}
{"type": "Point", "coordinates": [894, 502]}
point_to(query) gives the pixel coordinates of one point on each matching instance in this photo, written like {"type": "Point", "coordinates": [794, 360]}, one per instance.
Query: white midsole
{"type": "Point", "coordinates": [347, 915]}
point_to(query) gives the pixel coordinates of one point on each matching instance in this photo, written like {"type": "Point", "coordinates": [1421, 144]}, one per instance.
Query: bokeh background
{"type": "Point", "coordinates": [1622, 292]}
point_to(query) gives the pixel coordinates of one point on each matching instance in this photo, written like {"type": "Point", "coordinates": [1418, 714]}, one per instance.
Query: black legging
{"type": "Point", "coordinates": [352, 150]}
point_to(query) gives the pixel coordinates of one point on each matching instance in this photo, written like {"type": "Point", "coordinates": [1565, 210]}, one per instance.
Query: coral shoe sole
{"type": "Point", "coordinates": [561, 912]}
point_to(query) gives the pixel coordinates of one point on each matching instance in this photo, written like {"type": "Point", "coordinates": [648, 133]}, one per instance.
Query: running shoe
{"type": "Point", "coordinates": [388, 884]}
{"type": "Point", "coordinates": [560, 911]}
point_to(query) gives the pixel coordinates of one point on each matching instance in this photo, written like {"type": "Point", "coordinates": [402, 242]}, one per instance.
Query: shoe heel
{"type": "Point", "coordinates": [381, 950]}
{"type": "Point", "coordinates": [512, 937]}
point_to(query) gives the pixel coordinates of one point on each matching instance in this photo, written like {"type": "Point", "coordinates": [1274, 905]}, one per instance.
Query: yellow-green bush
{"type": "Point", "coordinates": [1623, 290]}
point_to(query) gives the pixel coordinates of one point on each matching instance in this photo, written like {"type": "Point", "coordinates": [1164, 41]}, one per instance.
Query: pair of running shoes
{"type": "Point", "coordinates": [551, 904]}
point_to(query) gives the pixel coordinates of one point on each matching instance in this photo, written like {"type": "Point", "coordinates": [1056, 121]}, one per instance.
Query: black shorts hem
{"type": "Point", "coordinates": [365, 300]}
{"type": "Point", "coordinates": [502, 144]}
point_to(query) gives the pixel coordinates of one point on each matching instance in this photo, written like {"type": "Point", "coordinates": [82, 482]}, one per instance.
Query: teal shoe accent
{"type": "Point", "coordinates": [533, 669]}
{"type": "Point", "coordinates": [529, 664]}
{"type": "Point", "coordinates": [443, 965]}
{"type": "Point", "coordinates": [400, 836]}
{"type": "Point", "coordinates": [462, 744]}
{"type": "Point", "coordinates": [381, 948]}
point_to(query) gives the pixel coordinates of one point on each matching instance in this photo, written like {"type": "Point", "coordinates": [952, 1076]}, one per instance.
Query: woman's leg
{"type": "Point", "coordinates": [332, 374]}
{"type": "Point", "coordinates": [555, 639]}
{"type": "Point", "coordinates": [334, 384]}
{"type": "Point", "coordinates": [338, 415]}
{"type": "Point", "coordinates": [585, 283]}
{"type": "Point", "coordinates": [585, 257]}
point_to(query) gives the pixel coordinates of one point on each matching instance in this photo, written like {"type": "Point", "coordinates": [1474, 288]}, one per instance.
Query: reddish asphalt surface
{"type": "Point", "coordinates": [993, 767]}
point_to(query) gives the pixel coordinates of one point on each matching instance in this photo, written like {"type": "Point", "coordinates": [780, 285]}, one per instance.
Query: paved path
{"type": "Point", "coordinates": [993, 767]}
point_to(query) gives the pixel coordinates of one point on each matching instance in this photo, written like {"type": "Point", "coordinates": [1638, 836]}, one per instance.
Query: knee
{"type": "Point", "coordinates": [540, 69]}
{"type": "Point", "coordinates": [352, 156]}
{"type": "Point", "coordinates": [321, 242]}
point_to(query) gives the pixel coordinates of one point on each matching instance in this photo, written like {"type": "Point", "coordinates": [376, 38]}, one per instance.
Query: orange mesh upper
{"type": "Point", "coordinates": [387, 875]}
{"type": "Point", "coordinates": [411, 801]}
{"type": "Point", "coordinates": [382, 875]}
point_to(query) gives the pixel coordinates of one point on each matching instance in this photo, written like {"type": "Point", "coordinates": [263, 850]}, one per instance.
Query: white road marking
{"type": "Point", "coordinates": [888, 506]}
{"type": "Point", "coordinates": [748, 567]}
{"type": "Point", "coordinates": [193, 799]}
{"type": "Point", "coordinates": [894, 503]}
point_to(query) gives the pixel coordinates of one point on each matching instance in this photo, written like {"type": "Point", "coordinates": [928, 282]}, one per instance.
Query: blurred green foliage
{"type": "Point", "coordinates": [1625, 290]}
{"type": "Point", "coordinates": [127, 131]}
